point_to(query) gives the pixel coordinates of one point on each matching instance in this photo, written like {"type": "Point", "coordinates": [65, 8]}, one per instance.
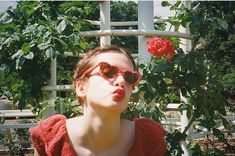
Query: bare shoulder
{"type": "Point", "coordinates": [36, 152]}
{"type": "Point", "coordinates": [75, 128]}
{"type": "Point", "coordinates": [73, 120]}
{"type": "Point", "coordinates": [72, 124]}
{"type": "Point", "coordinates": [128, 123]}
{"type": "Point", "coordinates": [128, 130]}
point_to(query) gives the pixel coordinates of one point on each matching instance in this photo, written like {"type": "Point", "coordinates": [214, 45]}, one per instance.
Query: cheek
{"type": "Point", "coordinates": [129, 92]}
{"type": "Point", "coordinates": [96, 86]}
{"type": "Point", "coordinates": [96, 82]}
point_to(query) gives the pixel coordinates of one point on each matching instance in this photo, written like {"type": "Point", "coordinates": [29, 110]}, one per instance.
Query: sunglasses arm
{"type": "Point", "coordinates": [88, 71]}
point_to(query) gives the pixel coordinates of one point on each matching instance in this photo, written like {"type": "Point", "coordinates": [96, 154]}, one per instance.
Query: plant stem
{"type": "Point", "coordinates": [189, 124]}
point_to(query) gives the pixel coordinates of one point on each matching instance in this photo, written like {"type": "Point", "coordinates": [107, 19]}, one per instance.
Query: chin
{"type": "Point", "coordinates": [117, 106]}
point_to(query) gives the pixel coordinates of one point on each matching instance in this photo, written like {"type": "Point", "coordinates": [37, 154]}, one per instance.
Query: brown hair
{"type": "Point", "coordinates": [85, 62]}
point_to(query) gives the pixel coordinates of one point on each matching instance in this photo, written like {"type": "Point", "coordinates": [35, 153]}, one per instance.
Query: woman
{"type": "Point", "coordinates": [104, 79]}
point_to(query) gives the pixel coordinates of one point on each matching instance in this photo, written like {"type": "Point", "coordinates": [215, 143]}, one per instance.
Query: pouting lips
{"type": "Point", "coordinates": [119, 94]}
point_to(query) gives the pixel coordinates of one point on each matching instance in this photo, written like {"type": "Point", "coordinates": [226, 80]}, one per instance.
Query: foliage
{"type": "Point", "coordinates": [21, 139]}
{"type": "Point", "coordinates": [67, 106]}
{"type": "Point", "coordinates": [175, 138]}
{"type": "Point", "coordinates": [193, 78]}
{"type": "Point", "coordinates": [30, 36]}
{"type": "Point", "coordinates": [199, 72]}
{"type": "Point", "coordinates": [121, 11]}
{"type": "Point", "coordinates": [213, 26]}
{"type": "Point", "coordinates": [190, 76]}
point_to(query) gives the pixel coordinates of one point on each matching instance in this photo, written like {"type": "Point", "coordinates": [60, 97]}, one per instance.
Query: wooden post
{"type": "Point", "coordinates": [105, 22]}
{"type": "Point", "coordinates": [145, 23]}
{"type": "Point", "coordinates": [186, 46]}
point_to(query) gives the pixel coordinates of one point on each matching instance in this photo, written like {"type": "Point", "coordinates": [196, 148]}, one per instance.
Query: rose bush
{"type": "Point", "coordinates": [169, 77]}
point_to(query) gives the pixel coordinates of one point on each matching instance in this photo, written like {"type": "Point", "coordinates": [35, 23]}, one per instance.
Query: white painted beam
{"type": "Point", "coordinates": [105, 22]}
{"type": "Point", "coordinates": [125, 23]}
{"type": "Point", "coordinates": [127, 32]}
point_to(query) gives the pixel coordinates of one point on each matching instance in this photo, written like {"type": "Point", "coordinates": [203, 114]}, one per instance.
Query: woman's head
{"type": "Point", "coordinates": [94, 64]}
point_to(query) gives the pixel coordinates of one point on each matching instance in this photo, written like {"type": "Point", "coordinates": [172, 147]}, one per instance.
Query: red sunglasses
{"type": "Point", "coordinates": [110, 71]}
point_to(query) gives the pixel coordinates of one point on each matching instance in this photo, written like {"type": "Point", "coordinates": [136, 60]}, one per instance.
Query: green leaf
{"type": "Point", "coordinates": [30, 56]}
{"type": "Point", "coordinates": [162, 67]}
{"type": "Point", "coordinates": [87, 10]}
{"type": "Point", "coordinates": [219, 135]}
{"type": "Point", "coordinates": [44, 46]}
{"type": "Point", "coordinates": [17, 54]}
{"type": "Point", "coordinates": [25, 48]}
{"type": "Point", "coordinates": [20, 62]}
{"type": "Point", "coordinates": [7, 41]}
{"type": "Point", "coordinates": [74, 9]}
{"type": "Point", "coordinates": [60, 41]}
{"type": "Point", "coordinates": [77, 41]}
{"type": "Point", "coordinates": [165, 3]}
{"type": "Point", "coordinates": [145, 114]}
{"type": "Point", "coordinates": [61, 27]}
{"type": "Point", "coordinates": [225, 122]}
{"type": "Point", "coordinates": [9, 20]}
{"type": "Point", "coordinates": [2, 120]}
{"type": "Point", "coordinates": [193, 80]}
{"type": "Point", "coordinates": [1, 15]}
{"type": "Point", "coordinates": [10, 13]}
{"type": "Point", "coordinates": [30, 28]}
{"type": "Point", "coordinates": [176, 5]}
{"type": "Point", "coordinates": [184, 91]}
{"type": "Point", "coordinates": [60, 105]}
{"type": "Point", "coordinates": [22, 103]}
{"type": "Point", "coordinates": [222, 23]}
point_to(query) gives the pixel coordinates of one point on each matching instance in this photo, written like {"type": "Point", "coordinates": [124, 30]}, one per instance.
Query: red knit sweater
{"type": "Point", "coordinates": [50, 138]}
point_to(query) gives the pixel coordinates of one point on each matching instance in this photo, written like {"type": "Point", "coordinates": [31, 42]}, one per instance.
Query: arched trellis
{"type": "Point", "coordinates": [145, 30]}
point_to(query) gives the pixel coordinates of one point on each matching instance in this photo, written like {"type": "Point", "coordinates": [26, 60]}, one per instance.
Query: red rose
{"type": "Point", "coordinates": [170, 53]}
{"type": "Point", "coordinates": [161, 48]}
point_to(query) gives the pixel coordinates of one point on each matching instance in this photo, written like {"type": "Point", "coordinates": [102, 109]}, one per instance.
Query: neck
{"type": "Point", "coordinates": [102, 129]}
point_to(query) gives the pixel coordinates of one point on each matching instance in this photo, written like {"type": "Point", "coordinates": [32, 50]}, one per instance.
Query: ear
{"type": "Point", "coordinates": [80, 89]}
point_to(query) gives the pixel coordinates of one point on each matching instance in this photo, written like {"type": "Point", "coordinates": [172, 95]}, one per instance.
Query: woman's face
{"type": "Point", "coordinates": [110, 93]}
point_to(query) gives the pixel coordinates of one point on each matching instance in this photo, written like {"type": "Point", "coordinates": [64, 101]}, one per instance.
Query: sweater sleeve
{"type": "Point", "coordinates": [48, 136]}
{"type": "Point", "coordinates": [149, 138]}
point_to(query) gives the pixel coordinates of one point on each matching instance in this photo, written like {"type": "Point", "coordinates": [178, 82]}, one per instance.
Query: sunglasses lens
{"type": "Point", "coordinates": [108, 70]}
{"type": "Point", "coordinates": [130, 77]}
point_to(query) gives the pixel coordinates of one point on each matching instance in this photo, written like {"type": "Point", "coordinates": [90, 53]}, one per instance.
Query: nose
{"type": "Point", "coordinates": [119, 81]}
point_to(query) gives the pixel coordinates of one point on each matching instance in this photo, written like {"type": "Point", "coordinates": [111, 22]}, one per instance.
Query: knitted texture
{"type": "Point", "coordinates": [149, 138]}
{"type": "Point", "coordinates": [50, 138]}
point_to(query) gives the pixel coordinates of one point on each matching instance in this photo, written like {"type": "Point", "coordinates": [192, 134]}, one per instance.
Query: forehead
{"type": "Point", "coordinates": [117, 59]}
